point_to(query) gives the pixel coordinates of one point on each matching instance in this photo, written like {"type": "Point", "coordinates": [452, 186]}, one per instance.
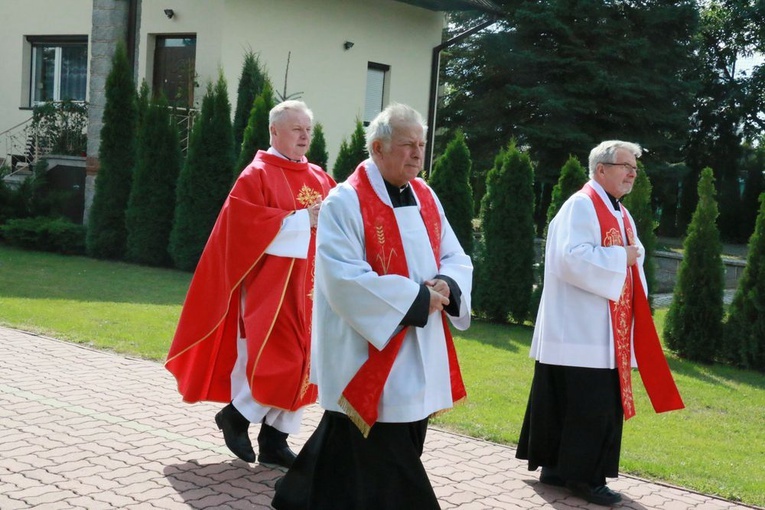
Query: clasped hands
{"type": "Point", "coordinates": [313, 213]}
{"type": "Point", "coordinates": [439, 294]}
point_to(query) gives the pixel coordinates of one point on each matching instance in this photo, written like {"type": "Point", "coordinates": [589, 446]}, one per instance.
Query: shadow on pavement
{"type": "Point", "coordinates": [234, 484]}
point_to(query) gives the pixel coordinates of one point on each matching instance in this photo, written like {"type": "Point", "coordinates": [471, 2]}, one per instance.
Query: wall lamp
{"type": "Point", "coordinates": [169, 13]}
{"type": "Point", "coordinates": [347, 45]}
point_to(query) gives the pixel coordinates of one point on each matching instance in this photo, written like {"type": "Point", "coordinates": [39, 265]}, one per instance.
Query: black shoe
{"type": "Point", "coordinates": [234, 427]}
{"type": "Point", "coordinates": [550, 477]}
{"type": "Point", "coordinates": [283, 457]}
{"type": "Point", "coordinates": [600, 495]}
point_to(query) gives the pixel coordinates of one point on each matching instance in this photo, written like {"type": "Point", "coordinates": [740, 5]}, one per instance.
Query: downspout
{"type": "Point", "coordinates": [435, 67]}
{"type": "Point", "coordinates": [132, 24]}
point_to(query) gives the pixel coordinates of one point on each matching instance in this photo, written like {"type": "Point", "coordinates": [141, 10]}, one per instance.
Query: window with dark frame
{"type": "Point", "coordinates": [59, 69]}
{"type": "Point", "coordinates": [377, 80]}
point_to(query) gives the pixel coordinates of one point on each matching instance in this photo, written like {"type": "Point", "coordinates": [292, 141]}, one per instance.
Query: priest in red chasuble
{"type": "Point", "coordinates": [593, 326]}
{"type": "Point", "coordinates": [244, 333]}
{"type": "Point", "coordinates": [389, 271]}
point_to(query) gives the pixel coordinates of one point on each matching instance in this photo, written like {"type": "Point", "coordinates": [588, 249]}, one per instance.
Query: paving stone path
{"type": "Point", "coordinates": [88, 429]}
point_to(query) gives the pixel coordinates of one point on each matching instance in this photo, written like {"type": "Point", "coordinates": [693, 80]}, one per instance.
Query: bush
{"type": "Point", "coordinates": [45, 234]}
{"type": "Point", "coordinates": [257, 135]}
{"type": "Point", "coordinates": [317, 153]}
{"type": "Point", "coordinates": [61, 127]}
{"type": "Point", "coordinates": [149, 216]}
{"type": "Point", "coordinates": [451, 182]}
{"type": "Point", "coordinates": [744, 331]}
{"type": "Point", "coordinates": [693, 327]}
{"type": "Point", "coordinates": [204, 180]}
{"type": "Point", "coordinates": [505, 275]}
{"type": "Point", "coordinates": [351, 154]}
{"type": "Point", "coordinates": [107, 233]}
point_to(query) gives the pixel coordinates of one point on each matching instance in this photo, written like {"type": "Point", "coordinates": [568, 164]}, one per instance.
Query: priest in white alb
{"type": "Point", "coordinates": [593, 325]}
{"type": "Point", "coordinates": [389, 271]}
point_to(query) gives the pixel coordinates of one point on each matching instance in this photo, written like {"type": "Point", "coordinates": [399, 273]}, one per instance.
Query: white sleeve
{"type": "Point", "coordinates": [294, 237]}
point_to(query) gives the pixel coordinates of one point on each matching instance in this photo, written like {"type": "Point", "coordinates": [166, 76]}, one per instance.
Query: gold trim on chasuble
{"type": "Point", "coordinates": [623, 326]}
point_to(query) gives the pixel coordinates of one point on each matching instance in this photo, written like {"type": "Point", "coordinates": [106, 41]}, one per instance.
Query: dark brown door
{"type": "Point", "coordinates": [174, 72]}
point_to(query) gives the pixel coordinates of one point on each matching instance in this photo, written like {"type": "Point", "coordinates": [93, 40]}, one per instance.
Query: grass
{"type": "Point", "coordinates": [716, 445]}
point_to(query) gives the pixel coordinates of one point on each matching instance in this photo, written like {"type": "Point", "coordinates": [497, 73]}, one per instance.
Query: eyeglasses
{"type": "Point", "coordinates": [625, 166]}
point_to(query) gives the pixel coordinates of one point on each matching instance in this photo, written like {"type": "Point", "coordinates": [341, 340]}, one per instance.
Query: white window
{"type": "Point", "coordinates": [59, 70]}
{"type": "Point", "coordinates": [377, 85]}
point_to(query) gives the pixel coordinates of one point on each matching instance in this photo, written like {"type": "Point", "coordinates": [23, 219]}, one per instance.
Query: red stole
{"type": "Point", "coordinates": [633, 304]}
{"type": "Point", "coordinates": [385, 253]}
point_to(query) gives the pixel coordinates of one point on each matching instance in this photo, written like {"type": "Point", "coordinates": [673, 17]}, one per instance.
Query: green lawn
{"type": "Point", "coordinates": [716, 445]}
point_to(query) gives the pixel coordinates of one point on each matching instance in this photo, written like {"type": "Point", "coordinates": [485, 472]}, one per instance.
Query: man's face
{"type": "Point", "coordinates": [618, 177]}
{"type": "Point", "coordinates": [401, 159]}
{"type": "Point", "coordinates": [291, 135]}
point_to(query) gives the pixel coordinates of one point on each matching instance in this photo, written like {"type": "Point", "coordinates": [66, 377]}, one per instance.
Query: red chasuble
{"type": "Point", "coordinates": [385, 253]}
{"type": "Point", "coordinates": [279, 293]}
{"type": "Point", "coordinates": [633, 304]}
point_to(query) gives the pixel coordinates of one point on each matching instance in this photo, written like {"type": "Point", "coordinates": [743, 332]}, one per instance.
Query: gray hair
{"type": "Point", "coordinates": [279, 111]}
{"type": "Point", "coordinates": [381, 128]}
{"type": "Point", "coordinates": [605, 152]}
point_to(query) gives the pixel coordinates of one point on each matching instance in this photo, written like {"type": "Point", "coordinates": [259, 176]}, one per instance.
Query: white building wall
{"type": "Point", "coordinates": [22, 18]}
{"type": "Point", "coordinates": [329, 78]}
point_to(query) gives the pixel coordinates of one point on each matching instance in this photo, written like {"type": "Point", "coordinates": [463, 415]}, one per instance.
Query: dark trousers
{"type": "Point", "coordinates": [573, 423]}
{"type": "Point", "coordinates": [339, 469]}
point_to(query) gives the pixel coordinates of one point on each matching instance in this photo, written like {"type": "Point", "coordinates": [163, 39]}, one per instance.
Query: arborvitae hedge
{"type": "Point", "coordinates": [572, 177]}
{"type": "Point", "coordinates": [256, 136]}
{"type": "Point", "coordinates": [744, 331]}
{"type": "Point", "coordinates": [506, 274]}
{"type": "Point", "coordinates": [317, 153]}
{"type": "Point", "coordinates": [451, 181]}
{"type": "Point", "coordinates": [205, 178]}
{"type": "Point", "coordinates": [149, 216]}
{"type": "Point", "coordinates": [351, 154]}
{"type": "Point", "coordinates": [693, 326]}
{"type": "Point", "coordinates": [251, 84]}
{"type": "Point", "coordinates": [107, 234]}
{"type": "Point", "coordinates": [638, 203]}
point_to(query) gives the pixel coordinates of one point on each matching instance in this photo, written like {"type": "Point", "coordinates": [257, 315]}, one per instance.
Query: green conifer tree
{"type": "Point", "coordinates": [151, 206]}
{"type": "Point", "coordinates": [572, 177]}
{"type": "Point", "coordinates": [744, 330]}
{"type": "Point", "coordinates": [343, 162]}
{"type": "Point", "coordinates": [451, 181]}
{"type": "Point", "coordinates": [317, 153]}
{"type": "Point", "coordinates": [106, 234]}
{"type": "Point", "coordinates": [355, 152]}
{"type": "Point", "coordinates": [638, 203]}
{"type": "Point", "coordinates": [257, 135]}
{"type": "Point", "coordinates": [507, 217]}
{"type": "Point", "coordinates": [142, 106]}
{"type": "Point", "coordinates": [251, 84]}
{"type": "Point", "coordinates": [693, 326]}
{"type": "Point", "coordinates": [205, 178]}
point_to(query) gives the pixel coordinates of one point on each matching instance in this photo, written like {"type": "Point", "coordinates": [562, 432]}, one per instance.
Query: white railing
{"type": "Point", "coordinates": [15, 143]}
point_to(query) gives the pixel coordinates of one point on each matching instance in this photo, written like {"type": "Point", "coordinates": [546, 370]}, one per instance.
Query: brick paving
{"type": "Point", "coordinates": [88, 429]}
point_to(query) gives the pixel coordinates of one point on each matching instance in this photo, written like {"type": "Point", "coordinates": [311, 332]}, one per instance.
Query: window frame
{"type": "Point", "coordinates": [35, 44]}
{"type": "Point", "coordinates": [385, 69]}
